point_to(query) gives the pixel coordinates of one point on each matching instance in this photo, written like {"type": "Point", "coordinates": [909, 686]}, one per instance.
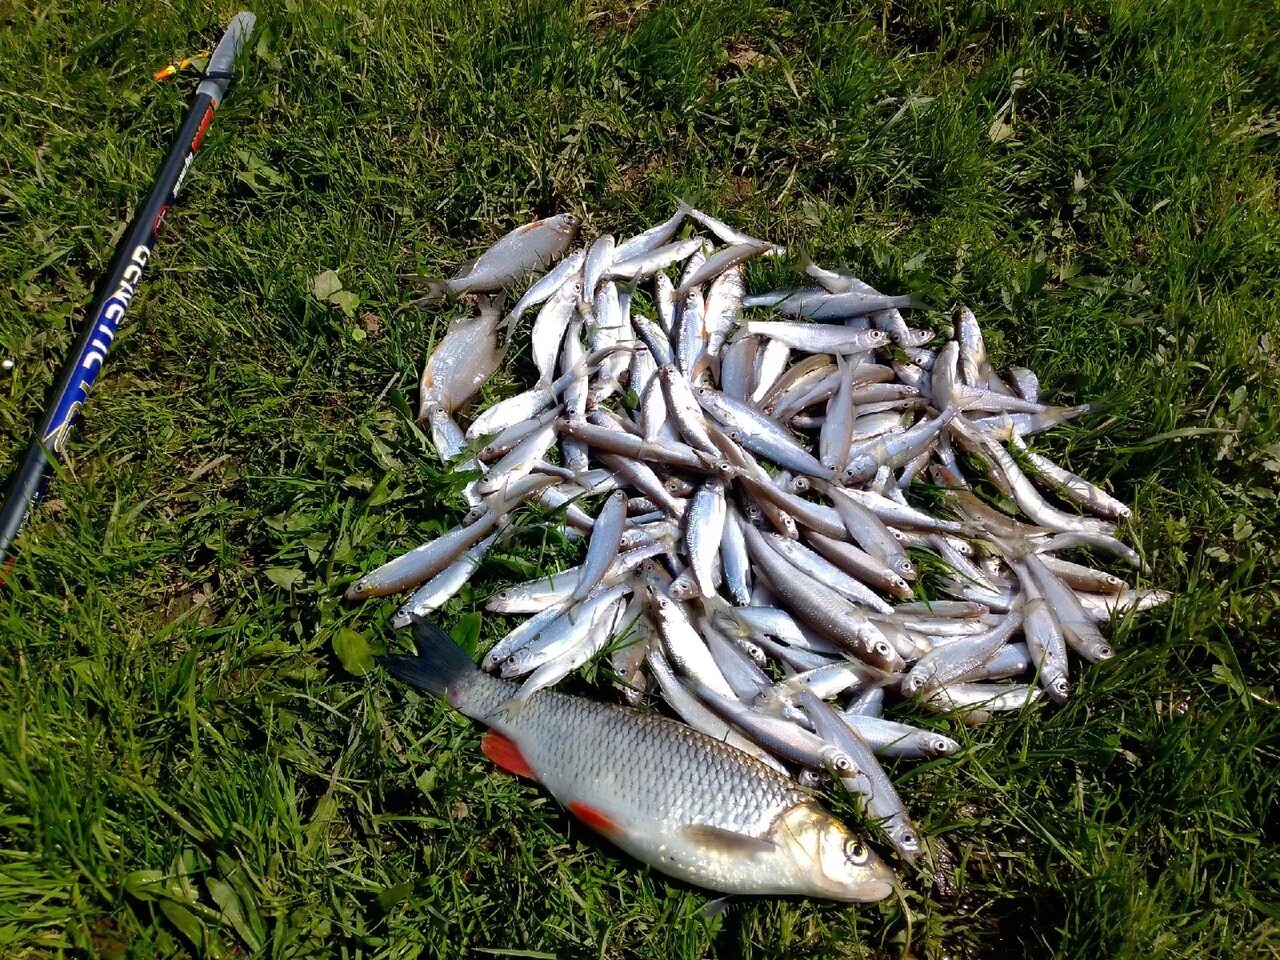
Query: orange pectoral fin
{"type": "Point", "coordinates": [505, 754]}
{"type": "Point", "coordinates": [594, 819]}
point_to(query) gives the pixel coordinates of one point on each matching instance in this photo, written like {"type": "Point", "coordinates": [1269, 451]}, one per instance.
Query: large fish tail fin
{"type": "Point", "coordinates": [908, 301]}
{"type": "Point", "coordinates": [440, 664]}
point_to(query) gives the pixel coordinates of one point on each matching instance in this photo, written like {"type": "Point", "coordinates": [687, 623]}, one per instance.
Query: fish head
{"type": "Point", "coordinates": [514, 665]}
{"type": "Point", "coordinates": [860, 468]}
{"type": "Point", "coordinates": [813, 779]}
{"type": "Point", "coordinates": [839, 762]}
{"type": "Point", "coordinates": [913, 683]}
{"type": "Point", "coordinates": [1059, 689]}
{"type": "Point", "coordinates": [904, 838]}
{"type": "Point", "coordinates": [566, 223]}
{"type": "Point", "coordinates": [879, 650]}
{"type": "Point", "coordinates": [936, 745]}
{"type": "Point", "coordinates": [830, 860]}
{"type": "Point", "coordinates": [683, 588]}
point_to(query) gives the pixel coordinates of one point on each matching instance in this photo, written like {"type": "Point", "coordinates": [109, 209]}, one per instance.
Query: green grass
{"type": "Point", "coordinates": [187, 768]}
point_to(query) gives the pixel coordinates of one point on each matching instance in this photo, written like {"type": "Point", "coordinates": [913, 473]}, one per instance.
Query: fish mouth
{"type": "Point", "coordinates": [867, 891]}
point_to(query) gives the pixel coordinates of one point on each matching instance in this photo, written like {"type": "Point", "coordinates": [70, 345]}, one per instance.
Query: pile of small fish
{"type": "Point", "coordinates": [754, 556]}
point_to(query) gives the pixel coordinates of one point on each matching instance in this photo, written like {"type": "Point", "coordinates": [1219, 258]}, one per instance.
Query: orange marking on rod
{"type": "Point", "coordinates": [505, 754]}
{"type": "Point", "coordinates": [593, 818]}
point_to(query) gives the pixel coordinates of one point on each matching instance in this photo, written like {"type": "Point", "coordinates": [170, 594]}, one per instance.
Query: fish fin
{"type": "Point", "coordinates": [839, 283]}
{"type": "Point", "coordinates": [505, 754]}
{"type": "Point", "coordinates": [437, 292]}
{"type": "Point", "coordinates": [490, 306]}
{"type": "Point", "coordinates": [713, 908]}
{"type": "Point", "coordinates": [593, 818]}
{"type": "Point", "coordinates": [440, 662]}
{"type": "Point", "coordinates": [907, 301]}
{"type": "Point", "coordinates": [725, 841]}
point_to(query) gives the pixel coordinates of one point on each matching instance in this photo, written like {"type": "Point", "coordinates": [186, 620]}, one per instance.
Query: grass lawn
{"type": "Point", "coordinates": [194, 757]}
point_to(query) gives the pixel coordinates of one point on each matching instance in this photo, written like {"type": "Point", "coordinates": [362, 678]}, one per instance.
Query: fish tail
{"type": "Point", "coordinates": [908, 301]}
{"type": "Point", "coordinates": [440, 664]}
{"type": "Point", "coordinates": [437, 291]}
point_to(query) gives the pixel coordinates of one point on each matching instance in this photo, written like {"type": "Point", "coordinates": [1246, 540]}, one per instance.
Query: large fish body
{"type": "Point", "coordinates": [682, 802]}
{"type": "Point", "coordinates": [522, 251]}
{"type": "Point", "coordinates": [469, 354]}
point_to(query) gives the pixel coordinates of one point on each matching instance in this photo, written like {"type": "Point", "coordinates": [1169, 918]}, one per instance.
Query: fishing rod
{"type": "Point", "coordinates": [118, 288]}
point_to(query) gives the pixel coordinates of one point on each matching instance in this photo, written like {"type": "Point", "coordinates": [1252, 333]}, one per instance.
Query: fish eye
{"type": "Point", "coordinates": [856, 852]}
{"type": "Point", "coordinates": [1105, 653]}
{"type": "Point", "coordinates": [908, 839]}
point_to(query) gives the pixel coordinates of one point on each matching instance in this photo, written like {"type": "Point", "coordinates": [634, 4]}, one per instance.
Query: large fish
{"type": "Point", "coordinates": [523, 251]}
{"type": "Point", "coordinates": [680, 801]}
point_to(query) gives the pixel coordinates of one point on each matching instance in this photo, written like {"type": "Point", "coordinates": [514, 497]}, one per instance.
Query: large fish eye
{"type": "Point", "coordinates": [855, 851]}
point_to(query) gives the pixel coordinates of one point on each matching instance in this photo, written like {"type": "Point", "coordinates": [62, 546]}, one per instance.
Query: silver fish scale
{"type": "Point", "coordinates": [672, 776]}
